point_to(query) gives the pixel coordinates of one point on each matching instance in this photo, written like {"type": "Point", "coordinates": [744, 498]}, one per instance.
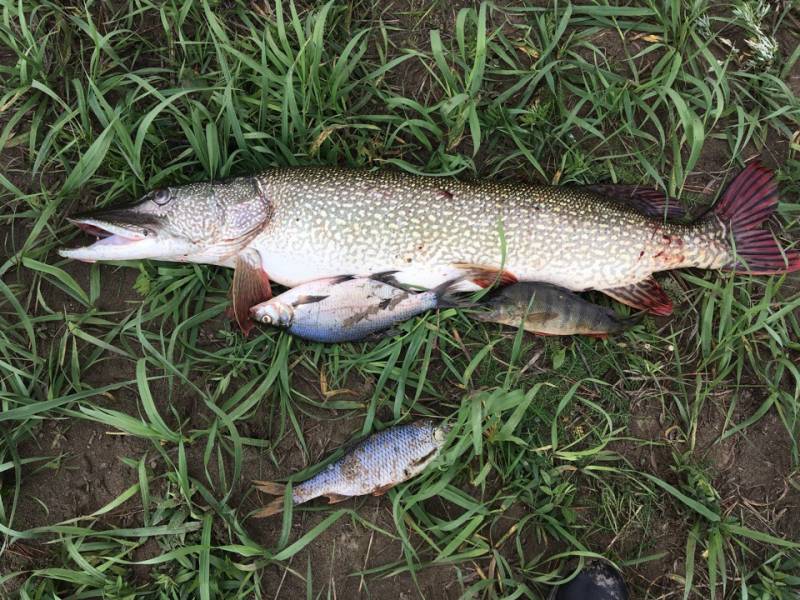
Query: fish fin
{"type": "Point", "coordinates": [250, 287]}
{"type": "Point", "coordinates": [377, 336]}
{"type": "Point", "coordinates": [383, 489]}
{"type": "Point", "coordinates": [644, 295]}
{"type": "Point", "coordinates": [308, 300]}
{"type": "Point", "coordinates": [652, 203]}
{"type": "Point", "coordinates": [273, 508]}
{"type": "Point", "coordinates": [749, 200]}
{"type": "Point", "coordinates": [597, 336]}
{"type": "Point", "coordinates": [628, 322]}
{"type": "Point", "coordinates": [485, 276]}
{"type": "Point", "coordinates": [539, 317]}
{"type": "Point", "coordinates": [445, 297]}
{"type": "Point", "coordinates": [270, 487]}
{"type": "Point", "coordinates": [340, 279]}
{"type": "Point", "coordinates": [386, 277]}
{"type": "Point", "coordinates": [336, 498]}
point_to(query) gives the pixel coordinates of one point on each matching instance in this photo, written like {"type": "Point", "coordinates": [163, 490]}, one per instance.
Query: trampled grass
{"type": "Point", "coordinates": [134, 415]}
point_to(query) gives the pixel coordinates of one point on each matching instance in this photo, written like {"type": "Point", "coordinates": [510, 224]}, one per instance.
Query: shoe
{"type": "Point", "coordinates": [597, 581]}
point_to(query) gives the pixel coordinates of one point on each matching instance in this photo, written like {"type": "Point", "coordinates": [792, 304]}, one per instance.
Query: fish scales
{"type": "Point", "coordinates": [298, 225]}
{"type": "Point", "coordinates": [347, 308]}
{"type": "Point", "coordinates": [550, 310]}
{"type": "Point", "coordinates": [372, 466]}
{"type": "Point", "coordinates": [383, 459]}
{"type": "Point", "coordinates": [340, 221]}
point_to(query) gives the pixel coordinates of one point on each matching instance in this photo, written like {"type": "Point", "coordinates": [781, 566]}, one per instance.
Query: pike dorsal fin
{"type": "Point", "coordinates": [652, 203]}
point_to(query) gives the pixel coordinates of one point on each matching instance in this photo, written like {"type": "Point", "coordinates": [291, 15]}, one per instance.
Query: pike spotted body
{"type": "Point", "coordinates": [298, 225]}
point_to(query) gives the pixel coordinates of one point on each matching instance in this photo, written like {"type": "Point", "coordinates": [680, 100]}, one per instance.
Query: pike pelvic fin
{"type": "Point", "coordinates": [485, 276]}
{"type": "Point", "coordinates": [652, 203]}
{"type": "Point", "coordinates": [749, 200]}
{"type": "Point", "coordinates": [250, 287]}
{"type": "Point", "coordinates": [644, 295]}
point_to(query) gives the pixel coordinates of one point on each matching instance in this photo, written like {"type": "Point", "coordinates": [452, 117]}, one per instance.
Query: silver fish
{"type": "Point", "coordinates": [373, 466]}
{"type": "Point", "coordinates": [547, 309]}
{"type": "Point", "coordinates": [348, 308]}
{"type": "Point", "coordinates": [298, 225]}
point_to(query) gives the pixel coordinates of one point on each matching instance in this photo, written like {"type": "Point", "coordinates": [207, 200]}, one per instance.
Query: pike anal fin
{"type": "Point", "coordinates": [643, 295]}
{"type": "Point", "coordinates": [250, 287]}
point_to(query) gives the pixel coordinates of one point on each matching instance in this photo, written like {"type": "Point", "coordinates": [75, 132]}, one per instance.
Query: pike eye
{"type": "Point", "coordinates": [161, 197]}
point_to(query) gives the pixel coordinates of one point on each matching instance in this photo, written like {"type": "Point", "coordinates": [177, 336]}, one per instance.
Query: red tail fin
{"type": "Point", "coordinates": [749, 200]}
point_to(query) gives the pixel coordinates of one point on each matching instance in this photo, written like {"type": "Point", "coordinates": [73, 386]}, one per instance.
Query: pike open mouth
{"type": "Point", "coordinates": [102, 237]}
{"type": "Point", "coordinates": [109, 234]}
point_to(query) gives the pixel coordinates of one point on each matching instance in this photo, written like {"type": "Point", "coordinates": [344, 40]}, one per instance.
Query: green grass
{"type": "Point", "coordinates": [561, 449]}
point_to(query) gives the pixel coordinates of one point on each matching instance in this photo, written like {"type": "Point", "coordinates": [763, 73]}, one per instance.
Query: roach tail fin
{"type": "Point", "coordinates": [275, 505]}
{"type": "Point", "coordinates": [270, 487]}
{"type": "Point", "coordinates": [749, 200]}
{"type": "Point", "coordinates": [273, 508]}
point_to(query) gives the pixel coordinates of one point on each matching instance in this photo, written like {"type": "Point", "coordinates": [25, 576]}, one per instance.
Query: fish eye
{"type": "Point", "coordinates": [161, 197]}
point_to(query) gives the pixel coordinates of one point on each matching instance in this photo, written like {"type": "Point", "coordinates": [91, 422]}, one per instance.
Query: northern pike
{"type": "Point", "coordinates": [301, 224]}
{"type": "Point", "coordinates": [373, 466]}
{"type": "Point", "coordinates": [547, 309]}
{"type": "Point", "coordinates": [348, 308]}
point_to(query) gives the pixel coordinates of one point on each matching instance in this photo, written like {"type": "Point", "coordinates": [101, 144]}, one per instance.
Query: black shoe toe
{"type": "Point", "coordinates": [597, 581]}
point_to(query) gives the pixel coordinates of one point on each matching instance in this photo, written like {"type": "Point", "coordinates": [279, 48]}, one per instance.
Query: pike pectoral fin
{"type": "Point", "coordinates": [250, 287]}
{"type": "Point", "coordinates": [336, 498]}
{"type": "Point", "coordinates": [486, 276]}
{"type": "Point", "coordinates": [644, 295]}
{"type": "Point", "coordinates": [649, 202]}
